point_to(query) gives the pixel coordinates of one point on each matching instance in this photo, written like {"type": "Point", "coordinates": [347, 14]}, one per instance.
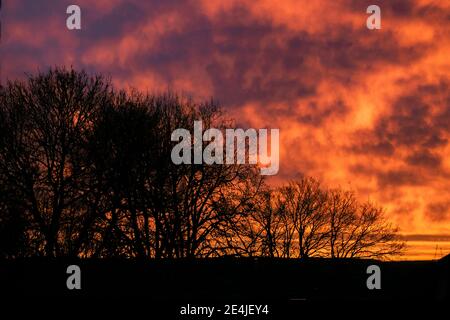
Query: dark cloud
{"type": "Point", "coordinates": [400, 177]}
{"type": "Point", "coordinates": [121, 19]}
{"type": "Point", "coordinates": [311, 114]}
{"type": "Point", "coordinates": [438, 211]}
{"type": "Point", "coordinates": [367, 146]}
{"type": "Point", "coordinates": [425, 159]}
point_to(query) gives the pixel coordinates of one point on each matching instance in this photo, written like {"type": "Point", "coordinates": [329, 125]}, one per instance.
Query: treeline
{"type": "Point", "coordinates": [86, 171]}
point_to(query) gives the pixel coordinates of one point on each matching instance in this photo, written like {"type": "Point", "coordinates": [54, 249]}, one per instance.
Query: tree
{"type": "Point", "coordinates": [154, 207]}
{"type": "Point", "coordinates": [86, 171]}
{"type": "Point", "coordinates": [255, 230]}
{"type": "Point", "coordinates": [304, 221]}
{"type": "Point", "coordinates": [91, 172]}
{"type": "Point", "coordinates": [44, 120]}
{"type": "Point", "coordinates": [359, 229]}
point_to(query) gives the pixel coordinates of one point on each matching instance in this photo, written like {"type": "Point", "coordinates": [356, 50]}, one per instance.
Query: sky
{"type": "Point", "coordinates": [366, 110]}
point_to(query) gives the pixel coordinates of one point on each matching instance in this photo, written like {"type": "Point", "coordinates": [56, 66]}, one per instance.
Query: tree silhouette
{"type": "Point", "coordinates": [86, 171]}
{"type": "Point", "coordinates": [303, 220]}
{"type": "Point", "coordinates": [303, 211]}
{"type": "Point", "coordinates": [359, 229]}
{"type": "Point", "coordinates": [43, 125]}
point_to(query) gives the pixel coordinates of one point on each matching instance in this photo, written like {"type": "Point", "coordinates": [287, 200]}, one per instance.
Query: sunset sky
{"type": "Point", "coordinates": [367, 110]}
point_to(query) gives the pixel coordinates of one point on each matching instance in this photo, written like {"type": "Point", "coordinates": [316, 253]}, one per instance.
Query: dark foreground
{"type": "Point", "coordinates": [226, 279]}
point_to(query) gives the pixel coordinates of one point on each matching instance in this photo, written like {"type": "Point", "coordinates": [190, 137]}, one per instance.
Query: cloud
{"type": "Point", "coordinates": [367, 110]}
{"type": "Point", "coordinates": [438, 211]}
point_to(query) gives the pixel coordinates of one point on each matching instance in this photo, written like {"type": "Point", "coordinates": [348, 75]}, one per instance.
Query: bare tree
{"type": "Point", "coordinates": [156, 208]}
{"type": "Point", "coordinates": [87, 171]}
{"type": "Point", "coordinates": [359, 229]}
{"type": "Point", "coordinates": [303, 213]}
{"type": "Point", "coordinates": [286, 222]}
{"type": "Point", "coordinates": [304, 220]}
{"type": "Point", "coordinates": [257, 229]}
{"type": "Point", "coordinates": [44, 120]}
